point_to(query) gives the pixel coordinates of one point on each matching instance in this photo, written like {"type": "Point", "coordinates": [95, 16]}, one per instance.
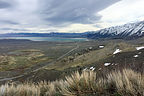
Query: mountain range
{"type": "Point", "coordinates": [130, 30]}
{"type": "Point", "coordinates": [126, 31]}
{"type": "Point", "coordinates": [52, 34]}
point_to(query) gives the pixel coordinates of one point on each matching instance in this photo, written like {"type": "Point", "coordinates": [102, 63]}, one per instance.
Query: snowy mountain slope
{"type": "Point", "coordinates": [130, 30]}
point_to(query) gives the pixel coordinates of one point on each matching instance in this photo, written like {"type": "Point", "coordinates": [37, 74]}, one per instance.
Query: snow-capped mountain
{"type": "Point", "coordinates": [130, 30]}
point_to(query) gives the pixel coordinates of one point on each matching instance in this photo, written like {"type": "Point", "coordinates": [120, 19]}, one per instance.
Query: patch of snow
{"type": "Point", "coordinates": [107, 64]}
{"type": "Point", "coordinates": [117, 51]}
{"type": "Point", "coordinates": [92, 68]}
{"type": "Point", "coordinates": [90, 48]}
{"type": "Point", "coordinates": [85, 69]}
{"type": "Point", "coordinates": [135, 56]}
{"type": "Point", "coordinates": [101, 46]}
{"type": "Point", "coordinates": [139, 48]}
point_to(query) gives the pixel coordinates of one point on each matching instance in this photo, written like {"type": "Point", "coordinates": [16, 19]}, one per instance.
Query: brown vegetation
{"type": "Point", "coordinates": [86, 83]}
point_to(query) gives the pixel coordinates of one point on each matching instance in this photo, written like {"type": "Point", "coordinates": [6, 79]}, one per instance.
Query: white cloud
{"type": "Point", "coordinates": [123, 12]}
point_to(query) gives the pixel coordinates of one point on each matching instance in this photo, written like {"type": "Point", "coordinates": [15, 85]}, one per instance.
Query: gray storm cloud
{"type": "Point", "coordinates": [72, 11]}
{"type": "Point", "coordinates": [36, 13]}
{"type": "Point", "coordinates": [7, 4]}
{"type": "Point", "coordinates": [4, 4]}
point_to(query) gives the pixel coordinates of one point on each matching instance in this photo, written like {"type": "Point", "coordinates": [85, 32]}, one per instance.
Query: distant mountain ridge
{"type": "Point", "coordinates": [126, 31]}
{"type": "Point", "coordinates": [130, 30]}
{"type": "Point", "coordinates": [53, 34]}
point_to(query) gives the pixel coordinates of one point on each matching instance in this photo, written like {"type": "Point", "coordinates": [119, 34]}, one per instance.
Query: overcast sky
{"type": "Point", "coordinates": [67, 15]}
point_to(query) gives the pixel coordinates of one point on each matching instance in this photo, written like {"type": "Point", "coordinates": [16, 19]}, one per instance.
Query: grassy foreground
{"type": "Point", "coordinates": [86, 83]}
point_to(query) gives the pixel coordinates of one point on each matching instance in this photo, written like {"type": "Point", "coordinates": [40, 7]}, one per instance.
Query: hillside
{"type": "Point", "coordinates": [36, 61]}
{"type": "Point", "coordinates": [93, 54]}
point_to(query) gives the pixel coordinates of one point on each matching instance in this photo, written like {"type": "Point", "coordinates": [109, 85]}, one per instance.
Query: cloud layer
{"type": "Point", "coordinates": [59, 12]}
{"type": "Point", "coordinates": [123, 12]}
{"type": "Point", "coordinates": [62, 15]}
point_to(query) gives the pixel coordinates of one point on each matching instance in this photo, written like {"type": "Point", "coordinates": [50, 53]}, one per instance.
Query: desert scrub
{"type": "Point", "coordinates": [86, 83]}
{"type": "Point", "coordinates": [19, 90]}
{"type": "Point", "coordinates": [80, 84]}
{"type": "Point", "coordinates": [126, 82]}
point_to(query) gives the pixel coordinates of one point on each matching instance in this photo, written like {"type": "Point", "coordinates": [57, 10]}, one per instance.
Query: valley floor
{"type": "Point", "coordinates": [22, 61]}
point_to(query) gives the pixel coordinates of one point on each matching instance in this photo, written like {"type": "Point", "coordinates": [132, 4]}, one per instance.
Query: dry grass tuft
{"type": "Point", "coordinates": [78, 84]}
{"type": "Point", "coordinates": [86, 83]}
{"type": "Point", "coordinates": [127, 82]}
{"type": "Point", "coordinates": [19, 90]}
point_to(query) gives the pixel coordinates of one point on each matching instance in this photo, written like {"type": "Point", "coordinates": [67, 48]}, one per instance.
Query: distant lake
{"type": "Point", "coordinates": [54, 39]}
